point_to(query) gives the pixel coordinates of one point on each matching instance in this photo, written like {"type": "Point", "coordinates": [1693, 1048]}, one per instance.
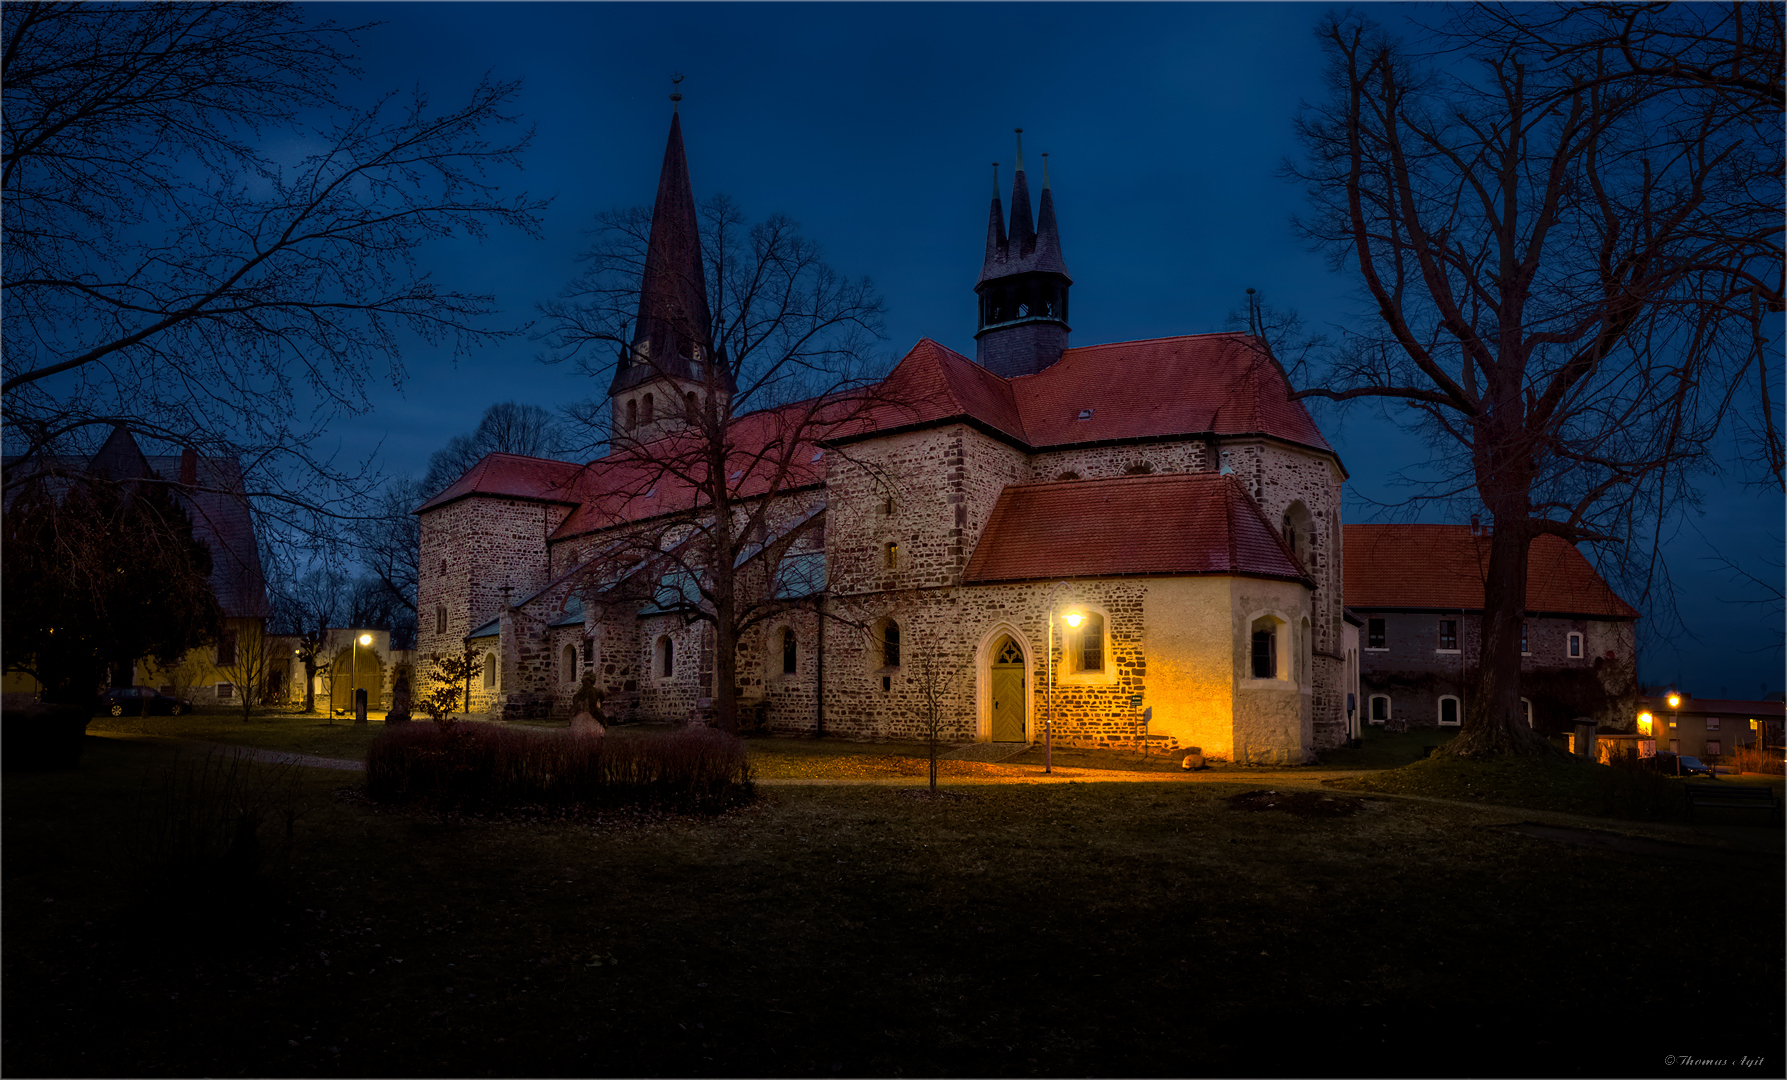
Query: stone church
{"type": "Point", "coordinates": [1132, 544]}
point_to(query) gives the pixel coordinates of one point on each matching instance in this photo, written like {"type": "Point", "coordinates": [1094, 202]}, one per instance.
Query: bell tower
{"type": "Point", "coordinates": [671, 369]}
{"type": "Point", "coordinates": [1023, 282]}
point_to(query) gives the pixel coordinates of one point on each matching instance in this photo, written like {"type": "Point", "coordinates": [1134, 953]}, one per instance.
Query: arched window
{"type": "Point", "coordinates": [1267, 655]}
{"type": "Point", "coordinates": [1085, 645]}
{"type": "Point", "coordinates": [1448, 711]}
{"type": "Point", "coordinates": [890, 644]}
{"type": "Point", "coordinates": [440, 618]}
{"type": "Point", "coordinates": [569, 660]}
{"type": "Point", "coordinates": [789, 655]}
{"type": "Point", "coordinates": [1380, 708]}
{"type": "Point", "coordinates": [632, 414]}
{"type": "Point", "coordinates": [489, 671]}
{"type": "Point", "coordinates": [645, 410]}
{"type": "Point", "coordinates": [1299, 531]}
{"type": "Point", "coordinates": [693, 405]}
{"type": "Point", "coordinates": [666, 658]}
{"type": "Point", "coordinates": [892, 551]}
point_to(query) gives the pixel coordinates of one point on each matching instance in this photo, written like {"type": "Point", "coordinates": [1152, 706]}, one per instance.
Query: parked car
{"type": "Point", "coordinates": [1692, 765]}
{"type": "Point", "coordinates": [138, 700]}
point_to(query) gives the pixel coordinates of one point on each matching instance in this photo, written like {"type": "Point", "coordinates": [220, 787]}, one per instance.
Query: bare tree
{"type": "Point", "coordinates": [305, 608]}
{"type": "Point", "coordinates": [246, 660]}
{"type": "Point", "coordinates": [174, 265]}
{"type": "Point", "coordinates": [507, 427]}
{"type": "Point", "coordinates": [932, 680]}
{"type": "Point", "coordinates": [388, 543]}
{"type": "Point", "coordinates": [782, 356]}
{"type": "Point", "coordinates": [1569, 272]}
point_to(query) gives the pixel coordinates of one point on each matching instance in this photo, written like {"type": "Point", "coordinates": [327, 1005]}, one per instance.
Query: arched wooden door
{"type": "Point", "coordinates": [1006, 679]}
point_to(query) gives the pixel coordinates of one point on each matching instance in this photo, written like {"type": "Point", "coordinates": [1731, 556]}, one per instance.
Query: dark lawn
{"type": "Point", "coordinates": [1075, 929]}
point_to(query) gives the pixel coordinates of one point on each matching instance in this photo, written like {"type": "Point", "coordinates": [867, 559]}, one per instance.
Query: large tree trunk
{"type": "Point", "coordinates": [1494, 723]}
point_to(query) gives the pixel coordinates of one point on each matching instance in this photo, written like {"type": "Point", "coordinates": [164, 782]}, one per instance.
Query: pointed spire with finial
{"type": "Point", "coordinates": [1023, 232]}
{"type": "Point", "coordinates": [1048, 238]}
{"type": "Point", "coordinates": [995, 227]}
{"type": "Point", "coordinates": [673, 326]}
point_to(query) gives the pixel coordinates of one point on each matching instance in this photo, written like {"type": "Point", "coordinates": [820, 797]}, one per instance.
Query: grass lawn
{"type": "Point", "coordinates": [305, 733]}
{"type": "Point", "coordinates": [1074, 929]}
{"type": "Point", "coordinates": [1558, 782]}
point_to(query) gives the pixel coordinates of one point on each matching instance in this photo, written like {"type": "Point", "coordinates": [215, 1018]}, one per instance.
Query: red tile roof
{"type": "Point", "coordinates": [1176, 524]}
{"type": "Point", "coordinates": [772, 450]}
{"type": "Point", "coordinates": [1219, 383]}
{"type": "Point", "coordinates": [1208, 383]}
{"type": "Point", "coordinates": [513, 476]}
{"type": "Point", "coordinates": [1441, 567]}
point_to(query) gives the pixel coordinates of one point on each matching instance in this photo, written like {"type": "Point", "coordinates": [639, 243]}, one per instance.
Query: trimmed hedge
{"type": "Point", "coordinates": [481, 768]}
{"type": "Point", "coordinates": [40, 737]}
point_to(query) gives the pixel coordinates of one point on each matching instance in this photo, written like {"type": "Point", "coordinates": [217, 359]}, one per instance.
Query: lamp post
{"type": "Point", "coordinates": [1675, 705]}
{"type": "Point", "coordinates": [359, 713]}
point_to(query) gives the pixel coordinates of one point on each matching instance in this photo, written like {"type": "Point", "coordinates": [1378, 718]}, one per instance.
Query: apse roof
{"type": "Point", "coordinates": [1174, 524]}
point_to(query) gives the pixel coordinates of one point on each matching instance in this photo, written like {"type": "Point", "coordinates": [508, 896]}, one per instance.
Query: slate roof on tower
{"type": "Point", "coordinates": [673, 318]}
{"type": "Point", "coordinates": [1442, 567]}
{"type": "Point", "coordinates": [1178, 524]}
{"type": "Point", "coordinates": [1026, 248]}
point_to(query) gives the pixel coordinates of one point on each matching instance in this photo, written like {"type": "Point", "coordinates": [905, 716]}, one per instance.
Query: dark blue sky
{"type": "Point", "coordinates": [876, 125]}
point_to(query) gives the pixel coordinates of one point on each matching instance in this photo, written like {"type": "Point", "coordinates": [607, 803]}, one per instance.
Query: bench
{"type": "Point", "coordinates": [1733, 798]}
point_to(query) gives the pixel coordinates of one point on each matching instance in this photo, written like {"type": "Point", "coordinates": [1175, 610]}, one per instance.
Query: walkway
{"type": "Point", "coordinates": [272, 757]}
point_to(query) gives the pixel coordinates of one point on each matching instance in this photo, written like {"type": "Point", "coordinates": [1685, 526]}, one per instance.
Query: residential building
{"type": "Point", "coordinates": [1419, 591]}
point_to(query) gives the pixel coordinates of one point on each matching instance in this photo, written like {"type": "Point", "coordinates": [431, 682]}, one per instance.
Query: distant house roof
{"type": "Point", "coordinates": [214, 497]}
{"type": "Point", "coordinates": [1442, 567]}
{"type": "Point", "coordinates": [1693, 706]}
{"type": "Point", "coordinates": [1176, 524]}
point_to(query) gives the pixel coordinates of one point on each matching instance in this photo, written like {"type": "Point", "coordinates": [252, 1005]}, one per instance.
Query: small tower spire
{"type": "Point", "coordinates": [1023, 232]}
{"type": "Point", "coordinates": [676, 96]}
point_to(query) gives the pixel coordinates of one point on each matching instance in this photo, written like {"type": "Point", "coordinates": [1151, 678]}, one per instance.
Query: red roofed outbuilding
{"type": "Point", "coordinates": [1418, 590]}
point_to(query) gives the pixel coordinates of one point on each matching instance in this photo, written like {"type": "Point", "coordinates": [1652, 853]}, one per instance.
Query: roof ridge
{"type": "Point", "coordinates": [1145, 341]}
{"type": "Point", "coordinates": [1142, 478]}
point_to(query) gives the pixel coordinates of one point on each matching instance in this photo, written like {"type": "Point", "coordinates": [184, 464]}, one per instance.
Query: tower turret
{"type": "Point", "coordinates": [1023, 282]}
{"type": "Point", "coordinates": [672, 364]}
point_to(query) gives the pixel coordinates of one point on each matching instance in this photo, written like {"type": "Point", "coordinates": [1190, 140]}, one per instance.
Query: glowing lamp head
{"type": "Point", "coordinates": [1675, 701]}
{"type": "Point", "coordinates": [1072, 618]}
{"type": "Point", "coordinates": [365, 639]}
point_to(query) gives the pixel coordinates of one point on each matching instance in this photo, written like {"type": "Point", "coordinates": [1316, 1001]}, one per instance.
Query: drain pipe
{"type": "Point", "coordinates": [819, 671]}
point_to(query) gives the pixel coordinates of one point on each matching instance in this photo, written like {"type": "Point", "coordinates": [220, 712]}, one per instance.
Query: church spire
{"type": "Point", "coordinates": [1023, 282]}
{"type": "Point", "coordinates": [1023, 233]}
{"type": "Point", "coordinates": [995, 229]}
{"type": "Point", "coordinates": [672, 331]}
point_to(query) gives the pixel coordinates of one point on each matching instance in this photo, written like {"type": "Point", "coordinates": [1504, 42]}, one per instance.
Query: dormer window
{"type": "Point", "coordinates": [1085, 414]}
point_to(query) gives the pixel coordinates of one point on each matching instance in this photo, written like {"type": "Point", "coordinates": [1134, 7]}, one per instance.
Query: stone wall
{"type": "Point", "coordinates": [1415, 674]}
{"type": "Point", "coordinates": [469, 550]}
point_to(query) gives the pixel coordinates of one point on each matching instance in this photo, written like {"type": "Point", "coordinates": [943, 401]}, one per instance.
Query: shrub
{"type": "Point", "coordinates": [41, 737]}
{"type": "Point", "coordinates": [480, 768]}
{"type": "Point", "coordinates": [1758, 760]}
{"type": "Point", "coordinates": [1632, 788]}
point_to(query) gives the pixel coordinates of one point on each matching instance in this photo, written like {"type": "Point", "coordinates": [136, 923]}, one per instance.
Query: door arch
{"type": "Point", "coordinates": [1005, 698]}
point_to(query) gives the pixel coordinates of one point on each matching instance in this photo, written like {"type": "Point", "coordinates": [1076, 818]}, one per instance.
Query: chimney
{"type": "Point", "coordinates": [189, 467]}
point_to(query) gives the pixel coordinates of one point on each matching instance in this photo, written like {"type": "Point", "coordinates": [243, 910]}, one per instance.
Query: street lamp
{"type": "Point", "coordinates": [1675, 705]}
{"type": "Point", "coordinates": [1048, 731]}
{"type": "Point", "coordinates": [363, 639]}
